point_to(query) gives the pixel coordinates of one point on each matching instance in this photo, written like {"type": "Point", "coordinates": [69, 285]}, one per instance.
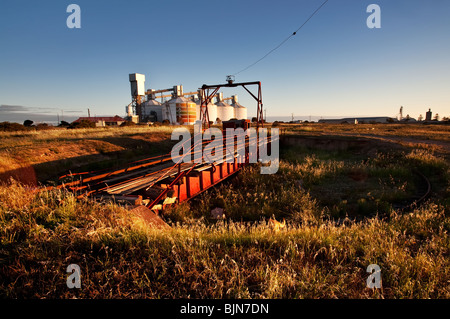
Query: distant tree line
{"type": "Point", "coordinates": [26, 126]}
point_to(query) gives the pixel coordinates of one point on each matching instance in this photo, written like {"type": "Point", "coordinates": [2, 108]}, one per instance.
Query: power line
{"type": "Point", "coordinates": [284, 41]}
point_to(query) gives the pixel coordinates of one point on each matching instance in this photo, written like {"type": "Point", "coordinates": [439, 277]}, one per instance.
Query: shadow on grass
{"type": "Point", "coordinates": [49, 172]}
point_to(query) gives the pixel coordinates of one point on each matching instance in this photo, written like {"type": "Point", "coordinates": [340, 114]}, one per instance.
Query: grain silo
{"type": "Point", "coordinates": [240, 112]}
{"type": "Point", "coordinates": [225, 111]}
{"type": "Point", "coordinates": [169, 112]}
{"type": "Point", "coordinates": [197, 101]}
{"type": "Point", "coordinates": [179, 110]}
{"type": "Point", "coordinates": [212, 108]}
{"type": "Point", "coordinates": [152, 111]}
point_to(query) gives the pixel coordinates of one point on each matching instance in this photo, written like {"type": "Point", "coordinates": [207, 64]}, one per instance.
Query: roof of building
{"type": "Point", "coordinates": [95, 119]}
{"type": "Point", "coordinates": [236, 104]}
{"type": "Point", "coordinates": [223, 104]}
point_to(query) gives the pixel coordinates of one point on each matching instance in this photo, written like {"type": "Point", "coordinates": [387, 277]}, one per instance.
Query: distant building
{"type": "Point", "coordinates": [428, 115]}
{"type": "Point", "coordinates": [408, 119]}
{"type": "Point", "coordinates": [361, 120]}
{"type": "Point", "coordinates": [101, 121]}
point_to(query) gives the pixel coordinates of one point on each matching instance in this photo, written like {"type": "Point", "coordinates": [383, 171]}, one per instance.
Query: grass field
{"type": "Point", "coordinates": [51, 152]}
{"type": "Point", "coordinates": [339, 205]}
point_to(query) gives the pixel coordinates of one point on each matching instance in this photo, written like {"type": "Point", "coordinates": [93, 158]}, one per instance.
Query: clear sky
{"type": "Point", "coordinates": [334, 66]}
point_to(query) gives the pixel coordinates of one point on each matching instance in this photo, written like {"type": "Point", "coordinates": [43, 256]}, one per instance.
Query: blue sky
{"type": "Point", "coordinates": [334, 66]}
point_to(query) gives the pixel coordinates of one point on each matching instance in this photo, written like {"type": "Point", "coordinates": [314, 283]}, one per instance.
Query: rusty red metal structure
{"type": "Point", "coordinates": [157, 181]}
{"type": "Point", "coordinates": [163, 180]}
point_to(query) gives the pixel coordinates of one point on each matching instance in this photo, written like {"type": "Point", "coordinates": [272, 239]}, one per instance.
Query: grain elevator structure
{"type": "Point", "coordinates": [176, 106]}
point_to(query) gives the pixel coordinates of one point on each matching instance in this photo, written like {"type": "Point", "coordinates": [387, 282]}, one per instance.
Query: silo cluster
{"type": "Point", "coordinates": [179, 109]}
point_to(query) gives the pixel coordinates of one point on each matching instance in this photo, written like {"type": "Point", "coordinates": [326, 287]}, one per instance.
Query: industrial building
{"type": "Point", "coordinates": [179, 109]}
{"type": "Point", "coordinates": [381, 119]}
{"type": "Point", "coordinates": [102, 121]}
{"type": "Point", "coordinates": [428, 115]}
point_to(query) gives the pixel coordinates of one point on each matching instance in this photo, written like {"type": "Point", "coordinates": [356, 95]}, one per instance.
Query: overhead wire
{"type": "Point", "coordinates": [284, 41]}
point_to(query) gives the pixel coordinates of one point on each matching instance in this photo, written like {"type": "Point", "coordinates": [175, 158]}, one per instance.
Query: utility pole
{"type": "Point", "coordinates": [292, 117]}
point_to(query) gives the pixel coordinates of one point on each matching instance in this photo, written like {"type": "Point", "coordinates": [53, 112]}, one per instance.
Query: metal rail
{"type": "Point", "coordinates": [160, 179]}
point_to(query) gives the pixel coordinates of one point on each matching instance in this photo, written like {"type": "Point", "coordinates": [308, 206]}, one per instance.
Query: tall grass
{"type": "Point", "coordinates": [122, 257]}
{"type": "Point", "coordinates": [54, 152]}
{"type": "Point", "coordinates": [11, 139]}
{"type": "Point", "coordinates": [411, 132]}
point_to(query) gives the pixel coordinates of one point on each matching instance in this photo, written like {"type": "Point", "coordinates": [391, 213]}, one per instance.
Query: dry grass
{"type": "Point", "coordinates": [53, 152]}
{"type": "Point", "coordinates": [411, 131]}
{"type": "Point", "coordinates": [58, 134]}
{"type": "Point", "coordinates": [120, 256]}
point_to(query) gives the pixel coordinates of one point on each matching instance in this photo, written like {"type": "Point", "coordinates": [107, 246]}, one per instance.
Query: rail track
{"type": "Point", "coordinates": [424, 192]}
{"type": "Point", "coordinates": [159, 181]}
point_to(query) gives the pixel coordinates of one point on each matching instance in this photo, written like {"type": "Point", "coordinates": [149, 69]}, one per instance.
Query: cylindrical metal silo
{"type": "Point", "coordinates": [225, 111]}
{"type": "Point", "coordinates": [240, 111]}
{"type": "Point", "coordinates": [212, 112]}
{"type": "Point", "coordinates": [169, 112]}
{"type": "Point", "coordinates": [212, 108]}
{"type": "Point", "coordinates": [196, 99]}
{"type": "Point", "coordinates": [186, 111]}
{"type": "Point", "coordinates": [152, 111]}
{"type": "Point", "coordinates": [180, 110]}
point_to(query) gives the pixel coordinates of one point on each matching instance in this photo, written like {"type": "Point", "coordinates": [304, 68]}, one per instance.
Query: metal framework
{"type": "Point", "coordinates": [162, 180]}
{"type": "Point", "coordinates": [207, 96]}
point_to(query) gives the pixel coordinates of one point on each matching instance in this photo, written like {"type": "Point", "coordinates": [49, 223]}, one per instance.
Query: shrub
{"type": "Point", "coordinates": [43, 126]}
{"type": "Point", "coordinates": [83, 124]}
{"type": "Point", "coordinates": [12, 127]}
{"type": "Point", "coordinates": [28, 123]}
{"type": "Point", "coordinates": [64, 124]}
{"type": "Point", "coordinates": [128, 123]}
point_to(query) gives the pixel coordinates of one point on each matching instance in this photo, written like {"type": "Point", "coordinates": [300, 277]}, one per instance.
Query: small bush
{"type": "Point", "coordinates": [83, 124]}
{"type": "Point", "coordinates": [12, 127]}
{"type": "Point", "coordinates": [128, 123]}
{"type": "Point", "coordinates": [43, 126]}
{"type": "Point", "coordinates": [28, 123]}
